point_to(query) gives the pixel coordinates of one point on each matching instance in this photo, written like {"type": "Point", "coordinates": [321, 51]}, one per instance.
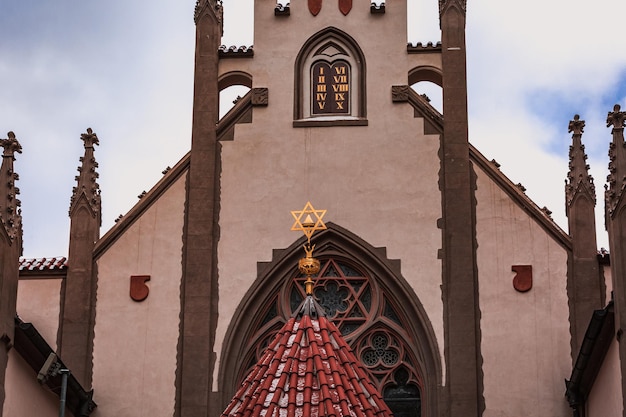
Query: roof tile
{"type": "Point", "coordinates": [308, 370]}
{"type": "Point", "coordinates": [43, 264]}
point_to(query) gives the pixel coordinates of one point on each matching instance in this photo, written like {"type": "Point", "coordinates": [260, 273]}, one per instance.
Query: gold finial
{"type": "Point", "coordinates": [308, 249]}
{"type": "Point", "coordinates": [308, 265]}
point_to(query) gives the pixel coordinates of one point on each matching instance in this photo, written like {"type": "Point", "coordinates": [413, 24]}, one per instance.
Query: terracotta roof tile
{"type": "Point", "coordinates": [43, 264]}
{"type": "Point", "coordinates": [308, 370]}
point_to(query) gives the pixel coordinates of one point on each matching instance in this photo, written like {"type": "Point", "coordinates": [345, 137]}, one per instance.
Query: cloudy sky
{"type": "Point", "coordinates": [126, 70]}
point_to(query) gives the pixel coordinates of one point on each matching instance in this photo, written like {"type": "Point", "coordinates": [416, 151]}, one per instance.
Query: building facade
{"type": "Point", "coordinates": [456, 292]}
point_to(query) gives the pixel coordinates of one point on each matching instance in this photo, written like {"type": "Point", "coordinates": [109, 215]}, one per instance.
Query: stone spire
{"type": "Point", "coordinates": [79, 292]}
{"type": "Point", "coordinates": [87, 180]}
{"type": "Point", "coordinates": [578, 178]}
{"type": "Point", "coordinates": [9, 205]}
{"type": "Point", "coordinates": [10, 251]}
{"type": "Point", "coordinates": [461, 5]}
{"type": "Point", "coordinates": [617, 160]}
{"type": "Point", "coordinates": [199, 288]}
{"type": "Point", "coordinates": [464, 375]}
{"type": "Point", "coordinates": [213, 7]}
{"type": "Point", "coordinates": [615, 219]}
{"type": "Point", "coordinates": [585, 285]}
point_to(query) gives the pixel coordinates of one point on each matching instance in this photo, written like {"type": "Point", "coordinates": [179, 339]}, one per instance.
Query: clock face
{"type": "Point", "coordinates": [331, 88]}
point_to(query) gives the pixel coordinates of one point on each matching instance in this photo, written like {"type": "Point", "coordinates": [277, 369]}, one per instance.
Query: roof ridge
{"type": "Point", "coordinates": [517, 193]}
{"type": "Point", "coordinates": [309, 307]}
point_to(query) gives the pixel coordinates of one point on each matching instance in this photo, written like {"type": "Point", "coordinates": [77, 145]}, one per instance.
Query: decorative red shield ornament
{"type": "Point", "coordinates": [523, 280]}
{"type": "Point", "coordinates": [138, 289]}
{"type": "Point", "coordinates": [315, 6]}
{"type": "Point", "coordinates": [345, 6]}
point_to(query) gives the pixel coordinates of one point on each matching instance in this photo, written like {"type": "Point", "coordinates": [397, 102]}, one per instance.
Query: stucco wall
{"type": "Point", "coordinates": [525, 336]}
{"type": "Point", "coordinates": [38, 302]}
{"type": "Point", "coordinates": [24, 395]}
{"type": "Point", "coordinates": [378, 181]}
{"type": "Point", "coordinates": [605, 398]}
{"type": "Point", "coordinates": [135, 342]}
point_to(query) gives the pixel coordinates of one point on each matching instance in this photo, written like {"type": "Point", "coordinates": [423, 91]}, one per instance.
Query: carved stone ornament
{"type": "Point", "coordinates": [10, 215]}
{"type": "Point", "coordinates": [523, 279]}
{"type": "Point", "coordinates": [578, 178]}
{"type": "Point", "coordinates": [138, 289]}
{"type": "Point", "coordinates": [576, 126]}
{"type": "Point", "coordinates": [399, 93]}
{"type": "Point", "coordinates": [616, 118]}
{"type": "Point", "coordinates": [11, 145]}
{"type": "Point", "coordinates": [260, 96]}
{"type": "Point", "coordinates": [445, 4]}
{"type": "Point", "coordinates": [215, 6]}
{"type": "Point", "coordinates": [87, 180]}
{"type": "Point", "coordinates": [617, 160]}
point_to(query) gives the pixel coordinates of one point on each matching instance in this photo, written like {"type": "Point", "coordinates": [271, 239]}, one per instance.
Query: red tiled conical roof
{"type": "Point", "coordinates": [308, 371]}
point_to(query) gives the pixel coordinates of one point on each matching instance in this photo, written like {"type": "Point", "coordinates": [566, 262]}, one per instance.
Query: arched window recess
{"type": "Point", "coordinates": [232, 86]}
{"type": "Point", "coordinates": [364, 295]}
{"type": "Point", "coordinates": [330, 81]}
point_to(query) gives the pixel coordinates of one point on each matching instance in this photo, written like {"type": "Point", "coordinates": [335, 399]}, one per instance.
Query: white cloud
{"type": "Point", "coordinates": [126, 70]}
{"type": "Point", "coordinates": [531, 66]}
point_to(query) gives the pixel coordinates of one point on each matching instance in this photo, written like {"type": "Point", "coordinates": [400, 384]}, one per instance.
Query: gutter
{"type": "Point", "coordinates": [29, 343]}
{"type": "Point", "coordinates": [595, 345]}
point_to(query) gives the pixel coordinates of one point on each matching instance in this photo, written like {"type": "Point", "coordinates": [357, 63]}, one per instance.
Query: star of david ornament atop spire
{"type": "Point", "coordinates": [308, 225]}
{"type": "Point", "coordinates": [308, 220]}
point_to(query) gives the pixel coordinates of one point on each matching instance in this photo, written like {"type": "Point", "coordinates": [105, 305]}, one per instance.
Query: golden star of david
{"type": "Point", "coordinates": [308, 220]}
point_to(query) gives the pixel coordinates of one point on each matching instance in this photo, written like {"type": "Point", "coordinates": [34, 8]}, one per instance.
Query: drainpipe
{"type": "Point", "coordinates": [64, 374]}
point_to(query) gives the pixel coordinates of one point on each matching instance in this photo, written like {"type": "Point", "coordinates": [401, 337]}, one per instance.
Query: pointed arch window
{"type": "Point", "coordinates": [368, 320]}
{"type": "Point", "coordinates": [330, 81]}
{"type": "Point", "coordinates": [366, 297]}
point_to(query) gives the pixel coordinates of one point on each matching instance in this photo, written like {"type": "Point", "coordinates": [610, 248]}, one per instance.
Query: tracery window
{"type": "Point", "coordinates": [367, 318]}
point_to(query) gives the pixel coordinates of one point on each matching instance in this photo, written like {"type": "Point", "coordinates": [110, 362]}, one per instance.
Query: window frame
{"type": "Point", "coordinates": [318, 48]}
